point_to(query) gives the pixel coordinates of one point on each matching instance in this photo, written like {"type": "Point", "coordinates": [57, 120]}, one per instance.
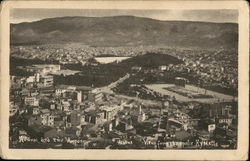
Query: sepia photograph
{"type": "Point", "coordinates": [117, 78]}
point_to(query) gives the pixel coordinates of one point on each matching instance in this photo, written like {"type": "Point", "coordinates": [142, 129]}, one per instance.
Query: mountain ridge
{"type": "Point", "coordinates": [123, 16]}
{"type": "Point", "coordinates": [125, 31]}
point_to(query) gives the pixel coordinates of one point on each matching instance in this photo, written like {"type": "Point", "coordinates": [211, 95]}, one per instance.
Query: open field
{"type": "Point", "coordinates": [105, 60]}
{"type": "Point", "coordinates": [187, 92]}
{"type": "Point", "coordinates": [211, 96]}
{"type": "Point", "coordinates": [66, 72]}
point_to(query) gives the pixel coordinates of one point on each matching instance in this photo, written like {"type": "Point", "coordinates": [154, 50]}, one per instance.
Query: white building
{"type": "Point", "coordinates": [162, 67]}
{"type": "Point", "coordinates": [47, 80]}
{"type": "Point", "coordinates": [32, 101]}
{"type": "Point", "coordinates": [30, 79]}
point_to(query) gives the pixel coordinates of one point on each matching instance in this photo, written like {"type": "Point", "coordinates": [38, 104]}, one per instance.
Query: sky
{"type": "Point", "coordinates": [220, 16]}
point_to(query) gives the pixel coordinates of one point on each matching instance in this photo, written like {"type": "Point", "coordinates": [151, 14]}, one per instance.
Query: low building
{"type": "Point", "coordinates": [47, 118]}
{"type": "Point", "coordinates": [226, 120]}
{"type": "Point", "coordinates": [125, 124]}
{"type": "Point", "coordinates": [110, 111]}
{"type": "Point", "coordinates": [13, 109]}
{"type": "Point", "coordinates": [31, 101]}
{"type": "Point", "coordinates": [207, 125]}
{"type": "Point", "coordinates": [36, 111]}
{"type": "Point", "coordinates": [217, 110]}
{"type": "Point", "coordinates": [30, 79]}
{"type": "Point", "coordinates": [34, 120]}
{"type": "Point", "coordinates": [162, 67]}
{"type": "Point", "coordinates": [47, 81]}
{"type": "Point", "coordinates": [211, 127]}
{"type": "Point", "coordinates": [54, 133]}
{"type": "Point", "coordinates": [95, 117]}
{"type": "Point", "coordinates": [43, 68]}
{"type": "Point", "coordinates": [136, 68]}
{"type": "Point", "coordinates": [59, 122]}
{"type": "Point", "coordinates": [74, 118]}
{"type": "Point", "coordinates": [95, 95]}
{"type": "Point", "coordinates": [179, 81]}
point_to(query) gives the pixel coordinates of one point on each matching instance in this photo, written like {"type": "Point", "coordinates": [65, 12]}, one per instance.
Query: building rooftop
{"type": "Point", "coordinates": [45, 111]}
{"type": "Point", "coordinates": [45, 65]}
{"type": "Point", "coordinates": [62, 86]}
{"type": "Point", "coordinates": [41, 128]}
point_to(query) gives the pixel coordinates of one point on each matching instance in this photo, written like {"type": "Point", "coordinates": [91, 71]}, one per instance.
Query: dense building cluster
{"type": "Point", "coordinates": [72, 54]}
{"type": "Point", "coordinates": [44, 114]}
{"type": "Point", "coordinates": [216, 68]}
{"type": "Point", "coordinates": [84, 117]}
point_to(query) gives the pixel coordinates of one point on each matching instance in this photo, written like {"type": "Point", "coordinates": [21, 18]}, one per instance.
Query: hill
{"type": "Point", "coordinates": [104, 74]}
{"type": "Point", "coordinates": [150, 60]}
{"type": "Point", "coordinates": [125, 31]}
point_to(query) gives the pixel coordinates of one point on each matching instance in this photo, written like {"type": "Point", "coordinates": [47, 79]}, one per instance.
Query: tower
{"type": "Point", "coordinates": [37, 77]}
{"type": "Point", "coordinates": [79, 96]}
{"type": "Point", "coordinates": [141, 115]}
{"type": "Point", "coordinates": [140, 110]}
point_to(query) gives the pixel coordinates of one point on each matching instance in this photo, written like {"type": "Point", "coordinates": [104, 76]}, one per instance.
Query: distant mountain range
{"type": "Point", "coordinates": [125, 31]}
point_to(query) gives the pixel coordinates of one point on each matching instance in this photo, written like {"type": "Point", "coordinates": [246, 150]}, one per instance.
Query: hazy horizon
{"type": "Point", "coordinates": [215, 16]}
